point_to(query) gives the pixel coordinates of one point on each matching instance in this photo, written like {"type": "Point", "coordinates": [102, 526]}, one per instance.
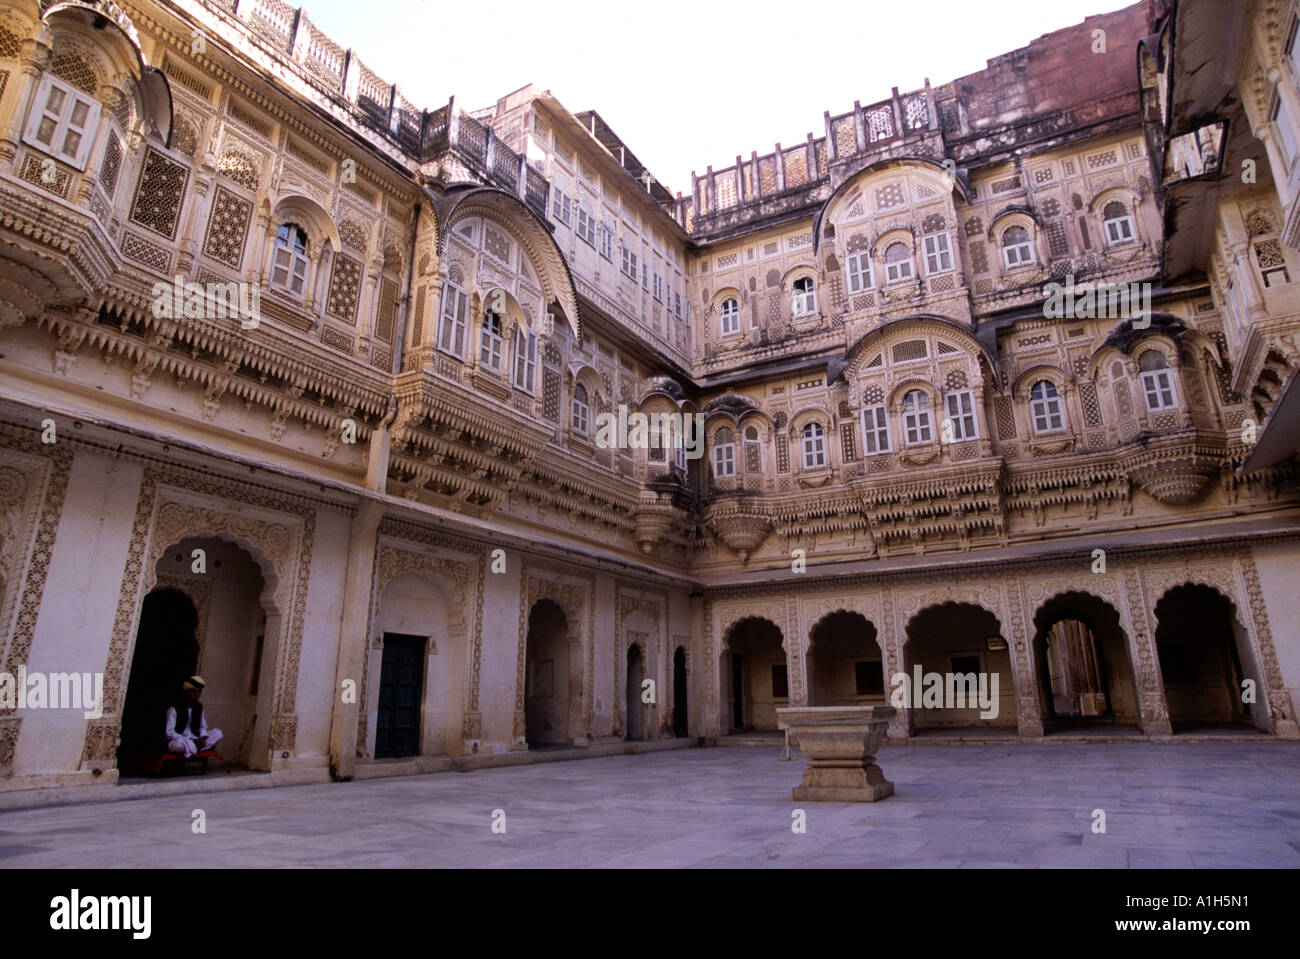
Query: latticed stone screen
{"type": "Point", "coordinates": [796, 168]}
{"type": "Point", "coordinates": [227, 227]}
{"type": "Point", "coordinates": [880, 124]}
{"type": "Point", "coordinates": [142, 251]}
{"type": "Point", "coordinates": [909, 350]}
{"type": "Point", "coordinates": [1056, 241]}
{"type": "Point", "coordinates": [551, 395]}
{"type": "Point", "coordinates": [240, 168]}
{"type": "Point", "coordinates": [33, 172]}
{"type": "Point", "coordinates": [846, 141]}
{"type": "Point", "coordinates": [417, 321]}
{"type": "Point", "coordinates": [1006, 417]}
{"type": "Point", "coordinates": [74, 70]}
{"type": "Point", "coordinates": [889, 195]}
{"type": "Point", "coordinates": [159, 194]}
{"type": "Point", "coordinates": [1091, 406]}
{"type": "Point", "coordinates": [847, 441]}
{"type": "Point", "coordinates": [345, 287]}
{"type": "Point", "coordinates": [353, 236]}
{"type": "Point", "coordinates": [111, 165]}
{"type": "Point", "coordinates": [387, 315]}
{"type": "Point", "coordinates": [1123, 402]}
{"type": "Point", "coordinates": [10, 44]}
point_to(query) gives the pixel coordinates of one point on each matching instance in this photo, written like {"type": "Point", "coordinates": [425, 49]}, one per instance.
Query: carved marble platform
{"type": "Point", "coordinates": [840, 743]}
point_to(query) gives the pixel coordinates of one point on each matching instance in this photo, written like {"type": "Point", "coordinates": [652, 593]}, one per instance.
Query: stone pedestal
{"type": "Point", "coordinates": [840, 743]}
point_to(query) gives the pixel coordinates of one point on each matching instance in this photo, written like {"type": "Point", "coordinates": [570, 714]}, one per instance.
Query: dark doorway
{"type": "Point", "coordinates": [680, 717]}
{"type": "Point", "coordinates": [166, 654]}
{"type": "Point", "coordinates": [547, 681]}
{"type": "Point", "coordinates": [1081, 655]}
{"type": "Point", "coordinates": [737, 691]}
{"type": "Point", "coordinates": [401, 680]}
{"type": "Point", "coordinates": [1200, 645]}
{"type": "Point", "coordinates": [635, 676]}
{"type": "Point", "coordinates": [757, 680]}
{"type": "Point", "coordinates": [953, 638]}
{"type": "Point", "coordinates": [844, 664]}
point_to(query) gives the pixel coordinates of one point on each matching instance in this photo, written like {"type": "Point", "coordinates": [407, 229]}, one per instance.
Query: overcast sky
{"type": "Point", "coordinates": [688, 84]}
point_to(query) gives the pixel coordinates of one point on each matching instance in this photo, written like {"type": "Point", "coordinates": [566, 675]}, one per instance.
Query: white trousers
{"type": "Point", "coordinates": [184, 745]}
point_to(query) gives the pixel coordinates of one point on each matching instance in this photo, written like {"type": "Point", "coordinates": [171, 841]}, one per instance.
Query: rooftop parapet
{"type": "Point", "coordinates": [423, 135]}
{"type": "Point", "coordinates": [798, 169]}
{"type": "Point", "coordinates": [449, 131]}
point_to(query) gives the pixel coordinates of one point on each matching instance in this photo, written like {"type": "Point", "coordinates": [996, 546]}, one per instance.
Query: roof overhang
{"type": "Point", "coordinates": [1280, 437]}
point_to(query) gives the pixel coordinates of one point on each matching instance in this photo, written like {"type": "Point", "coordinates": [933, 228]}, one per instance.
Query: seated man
{"type": "Point", "coordinates": [187, 731]}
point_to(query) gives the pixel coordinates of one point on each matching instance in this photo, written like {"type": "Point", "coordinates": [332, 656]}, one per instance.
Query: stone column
{"type": "Point", "coordinates": [697, 670]}
{"type": "Point", "coordinates": [1152, 708]}
{"type": "Point", "coordinates": [368, 304]}
{"type": "Point", "coordinates": [577, 688]}
{"type": "Point", "coordinates": [891, 662]}
{"type": "Point", "coordinates": [354, 633]}
{"type": "Point", "coordinates": [1248, 280]}
{"type": "Point", "coordinates": [191, 233]}
{"type": "Point", "coordinates": [257, 268]}
{"type": "Point", "coordinates": [1029, 716]}
{"type": "Point", "coordinates": [796, 655]}
{"type": "Point", "coordinates": [31, 64]}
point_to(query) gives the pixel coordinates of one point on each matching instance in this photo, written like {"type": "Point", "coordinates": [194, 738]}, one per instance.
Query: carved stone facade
{"type": "Point", "coordinates": [909, 415]}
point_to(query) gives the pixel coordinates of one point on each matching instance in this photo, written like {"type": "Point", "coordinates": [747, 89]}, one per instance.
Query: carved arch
{"type": "Point", "coordinates": [532, 234]}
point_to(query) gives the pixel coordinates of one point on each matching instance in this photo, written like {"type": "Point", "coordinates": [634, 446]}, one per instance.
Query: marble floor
{"type": "Point", "coordinates": [1226, 804]}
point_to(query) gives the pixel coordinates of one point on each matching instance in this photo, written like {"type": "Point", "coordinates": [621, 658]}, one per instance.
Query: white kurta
{"type": "Point", "coordinates": [185, 743]}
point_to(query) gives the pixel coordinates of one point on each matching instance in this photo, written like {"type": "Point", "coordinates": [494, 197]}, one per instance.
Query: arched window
{"type": "Point", "coordinates": [1045, 407]}
{"type": "Point", "coordinates": [898, 262]}
{"type": "Point", "coordinates": [580, 409]}
{"type": "Point", "coordinates": [525, 359]}
{"type": "Point", "coordinates": [960, 407]}
{"type": "Point", "coordinates": [730, 317]}
{"type": "Point", "coordinates": [1279, 118]}
{"type": "Point", "coordinates": [1157, 384]}
{"type": "Point", "coordinates": [938, 253]}
{"type": "Point", "coordinates": [490, 342]}
{"type": "Point", "coordinates": [859, 270]}
{"type": "Point", "coordinates": [62, 121]}
{"type": "Point", "coordinates": [1117, 223]}
{"type": "Point", "coordinates": [724, 454]}
{"type": "Point", "coordinates": [814, 446]}
{"type": "Point", "coordinates": [753, 451]}
{"type": "Point", "coordinates": [289, 266]}
{"type": "Point", "coordinates": [875, 430]}
{"type": "Point", "coordinates": [1016, 249]}
{"type": "Point", "coordinates": [454, 319]}
{"type": "Point", "coordinates": [916, 418]}
{"type": "Point", "coordinates": [805, 299]}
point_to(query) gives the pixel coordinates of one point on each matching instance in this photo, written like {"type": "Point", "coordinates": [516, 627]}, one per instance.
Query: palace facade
{"type": "Point", "coordinates": [300, 384]}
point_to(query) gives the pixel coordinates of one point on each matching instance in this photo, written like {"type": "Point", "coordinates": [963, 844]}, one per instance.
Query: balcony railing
{"type": "Point", "coordinates": [380, 105]}
{"type": "Point", "coordinates": [786, 169]}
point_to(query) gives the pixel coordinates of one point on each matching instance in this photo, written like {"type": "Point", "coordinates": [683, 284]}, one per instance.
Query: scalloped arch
{"type": "Point", "coordinates": [927, 166]}
{"type": "Point", "coordinates": [532, 234]}
{"type": "Point", "coordinates": [854, 358]}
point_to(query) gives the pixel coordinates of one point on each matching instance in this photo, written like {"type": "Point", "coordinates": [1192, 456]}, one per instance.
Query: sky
{"type": "Point", "coordinates": [687, 84]}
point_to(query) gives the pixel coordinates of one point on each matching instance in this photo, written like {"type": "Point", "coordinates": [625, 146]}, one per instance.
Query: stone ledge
{"type": "Point", "coordinates": [215, 780]}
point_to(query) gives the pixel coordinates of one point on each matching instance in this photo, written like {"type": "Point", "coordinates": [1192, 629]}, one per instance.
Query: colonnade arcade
{"type": "Point", "coordinates": [1166, 643]}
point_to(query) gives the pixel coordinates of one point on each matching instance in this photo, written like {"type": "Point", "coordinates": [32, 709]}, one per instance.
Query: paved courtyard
{"type": "Point", "coordinates": [1230, 804]}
